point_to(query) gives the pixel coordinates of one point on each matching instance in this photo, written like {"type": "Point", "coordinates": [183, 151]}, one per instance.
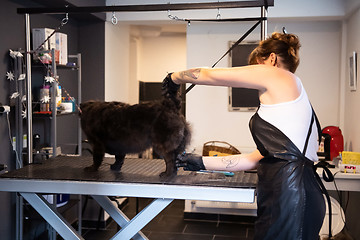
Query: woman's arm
{"type": "Point", "coordinates": [253, 76]}
{"type": "Point", "coordinates": [233, 163]}
{"type": "Point", "coordinates": [275, 85]}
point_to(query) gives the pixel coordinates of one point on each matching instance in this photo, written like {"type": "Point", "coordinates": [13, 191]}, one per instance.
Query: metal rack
{"type": "Point", "coordinates": [53, 135]}
{"type": "Point", "coordinates": [54, 114]}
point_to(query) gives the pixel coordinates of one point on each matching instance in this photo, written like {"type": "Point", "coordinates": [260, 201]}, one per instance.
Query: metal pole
{"type": "Point", "coordinates": [263, 23]}
{"type": "Point", "coordinates": [28, 92]}
{"type": "Point", "coordinates": [19, 146]}
{"type": "Point", "coordinates": [79, 101]}
{"type": "Point", "coordinates": [150, 7]}
{"type": "Point", "coordinates": [19, 117]}
{"type": "Point", "coordinates": [19, 217]}
{"type": "Point", "coordinates": [54, 105]}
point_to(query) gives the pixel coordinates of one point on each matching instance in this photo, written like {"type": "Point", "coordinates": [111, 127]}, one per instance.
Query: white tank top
{"type": "Point", "coordinates": [293, 119]}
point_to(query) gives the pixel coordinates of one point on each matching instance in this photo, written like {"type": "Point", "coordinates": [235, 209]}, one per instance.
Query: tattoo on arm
{"type": "Point", "coordinates": [191, 74]}
{"type": "Point", "coordinates": [230, 162]}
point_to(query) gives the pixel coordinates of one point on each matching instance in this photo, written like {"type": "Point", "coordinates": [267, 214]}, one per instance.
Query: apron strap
{"type": "Point", "coordinates": [310, 129]}
{"type": "Point", "coordinates": [327, 174]}
{"type": "Point", "coordinates": [309, 133]}
{"type": "Point", "coordinates": [328, 178]}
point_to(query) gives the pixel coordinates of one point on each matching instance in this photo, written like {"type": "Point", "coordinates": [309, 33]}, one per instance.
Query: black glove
{"type": "Point", "coordinates": [169, 88]}
{"type": "Point", "coordinates": [190, 162]}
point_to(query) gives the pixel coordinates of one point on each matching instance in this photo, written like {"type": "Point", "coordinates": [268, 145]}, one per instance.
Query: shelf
{"type": "Point", "coordinates": [49, 114]}
{"type": "Point", "coordinates": [40, 65]}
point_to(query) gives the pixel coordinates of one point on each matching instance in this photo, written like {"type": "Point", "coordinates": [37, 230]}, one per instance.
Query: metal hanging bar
{"type": "Point", "coordinates": [263, 22]}
{"type": "Point", "coordinates": [150, 7]}
{"type": "Point", "coordinates": [28, 95]}
{"type": "Point", "coordinates": [249, 19]}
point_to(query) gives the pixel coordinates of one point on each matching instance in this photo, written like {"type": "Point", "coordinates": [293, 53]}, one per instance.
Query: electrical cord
{"type": "Point", "coordinates": [341, 201]}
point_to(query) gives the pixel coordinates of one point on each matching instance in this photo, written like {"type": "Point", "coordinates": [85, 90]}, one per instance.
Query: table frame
{"type": "Point", "coordinates": [163, 195]}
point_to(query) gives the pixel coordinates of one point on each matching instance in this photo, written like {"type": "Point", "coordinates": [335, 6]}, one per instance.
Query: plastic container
{"type": "Point", "coordinates": [44, 98]}
{"type": "Point", "coordinates": [58, 96]}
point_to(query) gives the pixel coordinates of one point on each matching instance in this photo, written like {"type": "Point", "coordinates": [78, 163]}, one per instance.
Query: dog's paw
{"type": "Point", "coordinates": [115, 167]}
{"type": "Point", "coordinates": [90, 169]}
{"type": "Point", "coordinates": [165, 175]}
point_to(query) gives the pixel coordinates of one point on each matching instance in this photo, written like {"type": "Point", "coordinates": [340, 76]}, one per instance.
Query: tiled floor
{"type": "Point", "coordinates": [171, 225]}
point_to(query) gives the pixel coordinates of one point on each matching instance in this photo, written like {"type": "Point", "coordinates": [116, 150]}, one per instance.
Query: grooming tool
{"type": "Point", "coordinates": [226, 173]}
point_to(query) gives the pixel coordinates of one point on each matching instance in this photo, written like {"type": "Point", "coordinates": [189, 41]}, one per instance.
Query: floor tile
{"type": "Point", "coordinates": [170, 224]}
{"type": "Point", "coordinates": [178, 236]}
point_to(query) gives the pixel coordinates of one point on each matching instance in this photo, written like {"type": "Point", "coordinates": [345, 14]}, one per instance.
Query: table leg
{"type": "Point", "coordinates": [116, 214]}
{"type": "Point", "coordinates": [51, 215]}
{"type": "Point", "coordinates": [141, 219]}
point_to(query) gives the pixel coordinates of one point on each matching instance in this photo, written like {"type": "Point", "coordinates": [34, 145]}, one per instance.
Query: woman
{"type": "Point", "coordinates": [290, 201]}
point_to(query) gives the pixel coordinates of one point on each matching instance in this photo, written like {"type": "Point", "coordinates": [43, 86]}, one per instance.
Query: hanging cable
{"type": "Point", "coordinates": [229, 50]}
{"type": "Point", "coordinates": [63, 22]}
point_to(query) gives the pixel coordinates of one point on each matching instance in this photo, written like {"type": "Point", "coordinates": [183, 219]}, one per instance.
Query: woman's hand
{"type": "Point", "coordinates": [190, 162]}
{"type": "Point", "coordinates": [169, 88]}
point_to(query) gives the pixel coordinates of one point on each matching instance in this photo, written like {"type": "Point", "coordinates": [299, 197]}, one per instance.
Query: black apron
{"type": "Point", "coordinates": [290, 201]}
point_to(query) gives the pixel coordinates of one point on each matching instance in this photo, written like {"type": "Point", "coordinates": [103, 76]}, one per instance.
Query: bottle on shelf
{"type": "Point", "coordinates": [45, 98]}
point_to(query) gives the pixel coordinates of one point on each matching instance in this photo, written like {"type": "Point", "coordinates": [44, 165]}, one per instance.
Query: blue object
{"type": "Point", "coordinates": [226, 173]}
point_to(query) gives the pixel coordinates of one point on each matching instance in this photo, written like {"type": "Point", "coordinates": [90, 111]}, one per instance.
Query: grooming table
{"type": "Point", "coordinates": [138, 178]}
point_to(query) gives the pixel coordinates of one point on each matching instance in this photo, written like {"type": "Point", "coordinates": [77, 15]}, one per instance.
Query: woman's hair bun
{"type": "Point", "coordinates": [285, 45]}
{"type": "Point", "coordinates": [290, 39]}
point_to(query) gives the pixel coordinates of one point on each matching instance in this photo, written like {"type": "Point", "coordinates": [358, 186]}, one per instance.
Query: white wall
{"type": "Point", "coordinates": [160, 55]}
{"type": "Point", "coordinates": [319, 70]}
{"type": "Point", "coordinates": [117, 55]}
{"type": "Point", "coordinates": [352, 99]}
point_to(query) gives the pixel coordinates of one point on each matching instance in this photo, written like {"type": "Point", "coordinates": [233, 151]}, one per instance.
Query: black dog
{"type": "Point", "coordinates": [119, 128]}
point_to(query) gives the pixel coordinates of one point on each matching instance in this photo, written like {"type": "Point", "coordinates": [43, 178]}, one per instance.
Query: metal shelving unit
{"type": "Point", "coordinates": [53, 136]}
{"type": "Point", "coordinates": [54, 114]}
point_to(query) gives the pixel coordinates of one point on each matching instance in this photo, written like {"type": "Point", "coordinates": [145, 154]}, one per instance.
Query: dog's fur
{"type": "Point", "coordinates": [119, 128]}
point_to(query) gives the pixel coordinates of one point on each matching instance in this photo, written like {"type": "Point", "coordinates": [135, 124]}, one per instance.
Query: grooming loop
{"type": "Point", "coordinates": [231, 48]}
{"type": "Point", "coordinates": [63, 22]}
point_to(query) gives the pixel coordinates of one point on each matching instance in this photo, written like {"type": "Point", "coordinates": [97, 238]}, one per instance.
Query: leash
{"type": "Point", "coordinates": [231, 48]}
{"type": "Point", "coordinates": [327, 174]}
{"type": "Point", "coordinates": [266, 5]}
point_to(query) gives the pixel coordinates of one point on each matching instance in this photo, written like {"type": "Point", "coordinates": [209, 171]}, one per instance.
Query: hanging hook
{"type": "Point", "coordinates": [66, 18]}
{"type": "Point", "coordinates": [172, 17]}
{"type": "Point", "coordinates": [114, 19]}
{"type": "Point", "coordinates": [284, 30]}
{"type": "Point", "coordinates": [218, 16]}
